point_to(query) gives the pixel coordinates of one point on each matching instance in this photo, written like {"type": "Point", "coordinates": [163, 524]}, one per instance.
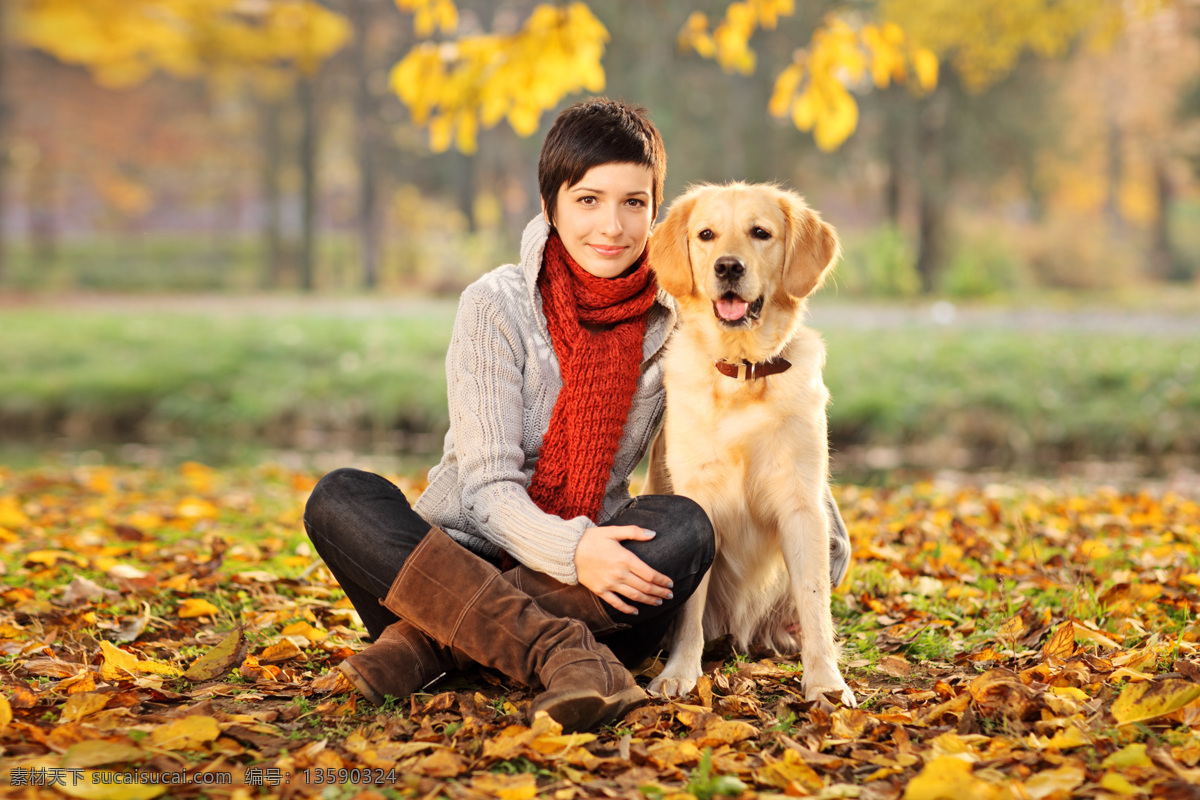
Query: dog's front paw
{"type": "Point", "coordinates": [674, 683]}
{"type": "Point", "coordinates": [814, 690]}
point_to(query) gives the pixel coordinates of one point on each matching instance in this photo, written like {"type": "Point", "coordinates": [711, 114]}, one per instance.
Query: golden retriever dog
{"type": "Point", "coordinates": [745, 429]}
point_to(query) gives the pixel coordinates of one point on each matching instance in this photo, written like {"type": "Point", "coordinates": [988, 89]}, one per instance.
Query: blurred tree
{"type": "Point", "coordinates": [124, 42]}
{"type": "Point", "coordinates": [474, 80]}
{"type": "Point", "coordinates": [363, 14]}
{"type": "Point", "coordinates": [4, 125]}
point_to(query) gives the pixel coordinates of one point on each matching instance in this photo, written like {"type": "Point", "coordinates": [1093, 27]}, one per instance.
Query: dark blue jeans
{"type": "Point", "coordinates": [364, 528]}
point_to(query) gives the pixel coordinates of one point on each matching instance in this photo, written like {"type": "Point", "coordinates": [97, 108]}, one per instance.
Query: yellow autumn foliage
{"type": "Point", "coordinates": [455, 88]}
{"type": "Point", "coordinates": [123, 42]}
{"type": "Point", "coordinates": [984, 38]}
{"type": "Point", "coordinates": [429, 15]}
{"type": "Point", "coordinates": [814, 89]}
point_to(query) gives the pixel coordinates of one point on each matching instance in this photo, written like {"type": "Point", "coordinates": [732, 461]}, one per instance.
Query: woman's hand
{"type": "Point", "coordinates": [611, 571]}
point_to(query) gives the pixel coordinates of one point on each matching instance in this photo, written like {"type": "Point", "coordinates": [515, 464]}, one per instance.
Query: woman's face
{"type": "Point", "coordinates": [604, 219]}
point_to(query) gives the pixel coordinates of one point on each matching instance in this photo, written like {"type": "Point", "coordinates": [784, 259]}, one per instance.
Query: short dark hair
{"type": "Point", "coordinates": [594, 132]}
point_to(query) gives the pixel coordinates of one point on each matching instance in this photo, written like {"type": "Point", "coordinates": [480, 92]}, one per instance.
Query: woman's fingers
{"type": "Point", "coordinates": [616, 602]}
{"type": "Point", "coordinates": [662, 585]}
{"type": "Point", "coordinates": [620, 532]}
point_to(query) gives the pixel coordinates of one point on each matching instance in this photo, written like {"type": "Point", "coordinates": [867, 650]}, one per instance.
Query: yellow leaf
{"type": "Point", "coordinates": [506, 787]}
{"type": "Point", "coordinates": [97, 752]}
{"type": "Point", "coordinates": [1118, 784]}
{"type": "Point", "coordinates": [197, 607]}
{"type": "Point", "coordinates": [189, 733]}
{"type": "Point", "coordinates": [724, 732]}
{"type": "Point", "coordinates": [1131, 755]}
{"type": "Point", "coordinates": [948, 778]}
{"type": "Point", "coordinates": [11, 515]}
{"type": "Point", "coordinates": [1068, 738]}
{"type": "Point", "coordinates": [1149, 700]}
{"type": "Point", "coordinates": [159, 668]}
{"type": "Point", "coordinates": [50, 558]}
{"type": "Point", "coordinates": [785, 89]}
{"type": "Point", "coordinates": [79, 706]}
{"type": "Point", "coordinates": [1059, 782]}
{"type": "Point", "coordinates": [849, 723]}
{"type": "Point", "coordinates": [6, 714]}
{"type": "Point", "coordinates": [791, 770]}
{"type": "Point", "coordinates": [103, 785]}
{"type": "Point", "coordinates": [1070, 691]}
{"type": "Point", "coordinates": [306, 630]}
{"type": "Point", "coordinates": [925, 64]}
{"type": "Point", "coordinates": [222, 658]}
{"type": "Point", "coordinates": [195, 508]}
{"type": "Point", "coordinates": [1061, 644]}
{"type": "Point", "coordinates": [442, 763]}
{"type": "Point", "coordinates": [118, 664]}
{"type": "Point", "coordinates": [280, 651]}
{"type": "Point", "coordinates": [1012, 628]}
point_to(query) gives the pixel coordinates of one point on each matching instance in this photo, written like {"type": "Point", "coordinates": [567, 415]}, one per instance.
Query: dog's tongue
{"type": "Point", "coordinates": [732, 309]}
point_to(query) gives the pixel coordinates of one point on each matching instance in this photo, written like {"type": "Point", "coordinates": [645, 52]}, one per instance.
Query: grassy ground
{"type": "Point", "coordinates": [371, 378]}
{"type": "Point", "coordinates": [1005, 640]}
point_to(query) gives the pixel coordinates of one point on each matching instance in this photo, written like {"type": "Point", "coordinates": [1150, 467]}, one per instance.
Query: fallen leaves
{"type": "Point", "coordinates": [1009, 641]}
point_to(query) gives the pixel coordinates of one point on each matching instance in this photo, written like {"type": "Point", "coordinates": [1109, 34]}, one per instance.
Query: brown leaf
{"type": "Point", "coordinates": [896, 666]}
{"type": "Point", "coordinates": [220, 659]}
{"type": "Point", "coordinates": [189, 733]}
{"type": "Point", "coordinates": [1061, 644]}
{"type": "Point", "coordinates": [99, 752]}
{"type": "Point", "coordinates": [79, 706]}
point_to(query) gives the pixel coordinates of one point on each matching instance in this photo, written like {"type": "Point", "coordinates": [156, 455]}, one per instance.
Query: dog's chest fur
{"type": "Point", "coordinates": [725, 436]}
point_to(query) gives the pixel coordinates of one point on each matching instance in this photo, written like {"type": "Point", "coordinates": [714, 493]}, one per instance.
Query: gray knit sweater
{"type": "Point", "coordinates": [502, 381]}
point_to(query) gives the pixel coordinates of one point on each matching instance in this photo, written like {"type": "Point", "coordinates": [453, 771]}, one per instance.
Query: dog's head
{"type": "Point", "coordinates": [742, 247]}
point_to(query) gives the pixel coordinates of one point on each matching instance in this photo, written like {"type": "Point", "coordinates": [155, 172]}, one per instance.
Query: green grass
{"type": "Point", "coordinates": [289, 379]}
{"type": "Point", "coordinates": [1020, 393]}
{"type": "Point", "coordinates": [109, 376]}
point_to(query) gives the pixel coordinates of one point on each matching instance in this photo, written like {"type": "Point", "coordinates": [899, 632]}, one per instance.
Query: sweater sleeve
{"type": "Point", "coordinates": [484, 376]}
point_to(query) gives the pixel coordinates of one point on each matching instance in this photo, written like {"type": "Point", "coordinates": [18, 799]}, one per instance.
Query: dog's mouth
{"type": "Point", "coordinates": [732, 310]}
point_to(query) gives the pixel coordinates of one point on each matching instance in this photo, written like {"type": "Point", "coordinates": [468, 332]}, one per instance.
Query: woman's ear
{"type": "Point", "coordinates": [812, 247]}
{"type": "Point", "coordinates": [669, 255]}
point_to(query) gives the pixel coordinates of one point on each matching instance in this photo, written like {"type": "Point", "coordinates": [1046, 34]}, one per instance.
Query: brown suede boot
{"type": "Point", "coordinates": [401, 661]}
{"type": "Point", "coordinates": [463, 601]}
{"type": "Point", "coordinates": [404, 660]}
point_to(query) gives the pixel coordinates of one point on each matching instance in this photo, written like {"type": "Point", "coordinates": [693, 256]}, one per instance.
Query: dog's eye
{"type": "Point", "coordinates": [705, 235]}
{"type": "Point", "coordinates": [759, 233]}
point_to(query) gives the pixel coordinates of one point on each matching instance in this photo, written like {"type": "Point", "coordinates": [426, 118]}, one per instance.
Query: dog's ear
{"type": "Point", "coordinates": [812, 247]}
{"type": "Point", "coordinates": [669, 254]}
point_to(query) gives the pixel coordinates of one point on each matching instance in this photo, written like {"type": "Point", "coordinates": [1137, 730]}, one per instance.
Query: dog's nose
{"type": "Point", "coordinates": [729, 268]}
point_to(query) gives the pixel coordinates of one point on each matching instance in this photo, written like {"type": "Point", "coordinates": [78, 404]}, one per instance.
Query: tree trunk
{"type": "Point", "coordinates": [367, 118]}
{"type": "Point", "coordinates": [1112, 205]}
{"type": "Point", "coordinates": [933, 191]}
{"type": "Point", "coordinates": [1167, 262]}
{"type": "Point", "coordinates": [43, 223]}
{"type": "Point", "coordinates": [308, 169]}
{"type": "Point", "coordinates": [4, 147]}
{"type": "Point", "coordinates": [893, 188]}
{"type": "Point", "coordinates": [272, 196]}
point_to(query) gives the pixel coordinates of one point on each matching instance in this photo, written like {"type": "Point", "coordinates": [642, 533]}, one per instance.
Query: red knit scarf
{"type": "Point", "coordinates": [600, 367]}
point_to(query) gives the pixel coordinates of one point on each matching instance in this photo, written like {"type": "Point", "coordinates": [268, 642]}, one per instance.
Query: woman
{"type": "Point", "coordinates": [525, 553]}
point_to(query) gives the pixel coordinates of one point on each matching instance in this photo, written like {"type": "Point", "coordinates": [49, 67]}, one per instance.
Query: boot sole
{"type": "Point", "coordinates": [584, 709]}
{"type": "Point", "coordinates": [360, 683]}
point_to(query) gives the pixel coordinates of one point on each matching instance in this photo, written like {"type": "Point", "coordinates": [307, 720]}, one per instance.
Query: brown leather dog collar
{"type": "Point", "coordinates": [745, 371]}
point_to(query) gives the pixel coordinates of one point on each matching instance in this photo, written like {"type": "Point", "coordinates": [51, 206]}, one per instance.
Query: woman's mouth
{"type": "Point", "coordinates": [608, 251]}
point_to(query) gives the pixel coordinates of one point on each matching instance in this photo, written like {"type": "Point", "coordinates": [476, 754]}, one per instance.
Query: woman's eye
{"type": "Point", "coordinates": [705, 235]}
{"type": "Point", "coordinates": [759, 233]}
{"type": "Point", "coordinates": [636, 202]}
{"type": "Point", "coordinates": [588, 200]}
